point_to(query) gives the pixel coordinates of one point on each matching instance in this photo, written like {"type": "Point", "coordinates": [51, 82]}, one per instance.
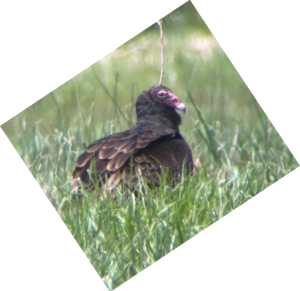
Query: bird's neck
{"type": "Point", "coordinates": [158, 119]}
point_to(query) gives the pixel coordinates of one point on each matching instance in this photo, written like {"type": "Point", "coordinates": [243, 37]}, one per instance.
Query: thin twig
{"type": "Point", "coordinates": [162, 52]}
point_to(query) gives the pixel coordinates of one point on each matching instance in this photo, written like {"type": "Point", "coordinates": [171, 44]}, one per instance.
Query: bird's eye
{"type": "Point", "coordinates": [161, 94]}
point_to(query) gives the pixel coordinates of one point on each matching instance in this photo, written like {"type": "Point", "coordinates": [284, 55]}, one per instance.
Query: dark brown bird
{"type": "Point", "coordinates": [153, 145]}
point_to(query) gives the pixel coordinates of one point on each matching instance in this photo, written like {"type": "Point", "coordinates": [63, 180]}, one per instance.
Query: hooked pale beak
{"type": "Point", "coordinates": [181, 107]}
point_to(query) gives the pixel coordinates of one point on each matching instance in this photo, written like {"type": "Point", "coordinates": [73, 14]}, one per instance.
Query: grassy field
{"type": "Point", "coordinates": [237, 151]}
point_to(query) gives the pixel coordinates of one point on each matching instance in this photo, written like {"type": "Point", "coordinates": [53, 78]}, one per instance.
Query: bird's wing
{"type": "Point", "coordinates": [111, 152]}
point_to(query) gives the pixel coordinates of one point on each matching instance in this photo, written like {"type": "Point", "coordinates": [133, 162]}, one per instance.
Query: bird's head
{"type": "Point", "coordinates": [163, 95]}
{"type": "Point", "coordinates": [159, 105]}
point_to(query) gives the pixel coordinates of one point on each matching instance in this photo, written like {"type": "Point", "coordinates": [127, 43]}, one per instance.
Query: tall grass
{"type": "Point", "coordinates": [122, 238]}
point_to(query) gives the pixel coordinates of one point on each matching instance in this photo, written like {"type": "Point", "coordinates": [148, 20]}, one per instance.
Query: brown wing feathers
{"type": "Point", "coordinates": [109, 158]}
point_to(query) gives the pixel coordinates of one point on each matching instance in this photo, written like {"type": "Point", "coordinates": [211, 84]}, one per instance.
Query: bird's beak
{"type": "Point", "coordinates": [181, 107]}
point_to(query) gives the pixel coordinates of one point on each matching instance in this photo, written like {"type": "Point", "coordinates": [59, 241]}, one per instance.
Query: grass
{"type": "Point", "coordinates": [237, 151]}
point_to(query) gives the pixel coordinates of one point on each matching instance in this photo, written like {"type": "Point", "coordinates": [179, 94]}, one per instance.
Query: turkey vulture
{"type": "Point", "coordinates": [153, 145]}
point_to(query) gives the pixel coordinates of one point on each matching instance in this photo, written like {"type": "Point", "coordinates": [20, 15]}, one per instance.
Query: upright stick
{"type": "Point", "coordinates": [162, 52]}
